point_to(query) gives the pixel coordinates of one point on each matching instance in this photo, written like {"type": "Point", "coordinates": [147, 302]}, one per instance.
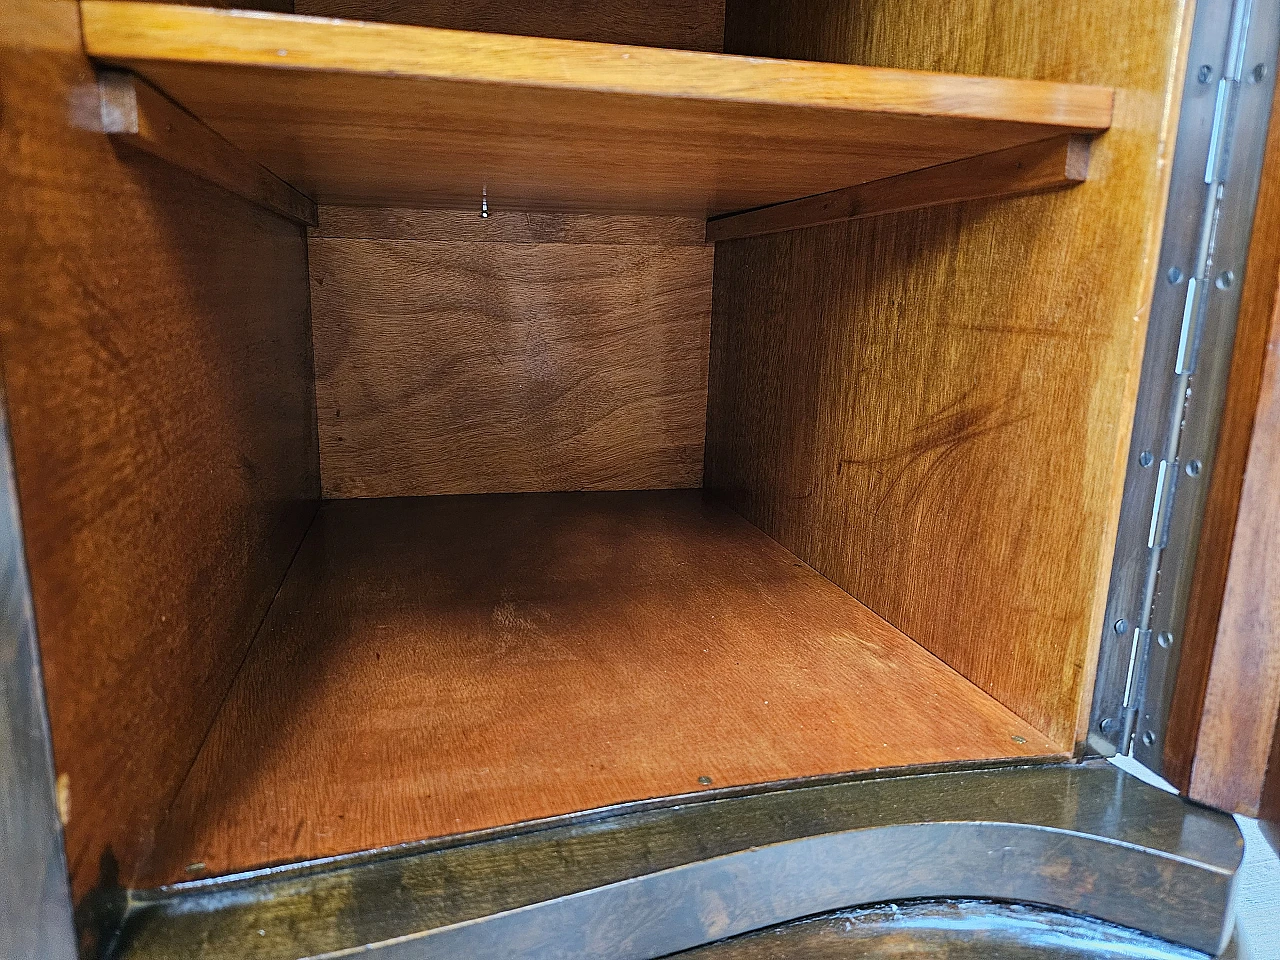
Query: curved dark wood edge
{"type": "Point", "coordinates": [1081, 837]}
{"type": "Point", "coordinates": [946, 930]}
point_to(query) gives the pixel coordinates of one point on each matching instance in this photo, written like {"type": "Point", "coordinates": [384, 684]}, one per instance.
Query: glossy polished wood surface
{"type": "Point", "coordinates": [678, 24]}
{"type": "Point", "coordinates": [154, 339]}
{"type": "Point", "coordinates": [933, 408]}
{"type": "Point", "coordinates": [497, 366]}
{"type": "Point", "coordinates": [438, 665]}
{"type": "Point", "coordinates": [381, 114]}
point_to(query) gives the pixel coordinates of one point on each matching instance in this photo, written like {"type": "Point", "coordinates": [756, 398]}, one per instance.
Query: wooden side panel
{"type": "Point", "coordinates": [1246, 409]}
{"type": "Point", "coordinates": [932, 408]}
{"type": "Point", "coordinates": [507, 366]}
{"type": "Point", "coordinates": [155, 353]}
{"type": "Point", "coordinates": [678, 24]}
{"type": "Point", "coordinates": [439, 665]}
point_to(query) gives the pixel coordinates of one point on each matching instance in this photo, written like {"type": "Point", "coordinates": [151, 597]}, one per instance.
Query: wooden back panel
{"type": "Point", "coordinates": [933, 408]}
{"type": "Point", "coordinates": [158, 371]}
{"type": "Point", "coordinates": [678, 24]}
{"type": "Point", "coordinates": [517, 353]}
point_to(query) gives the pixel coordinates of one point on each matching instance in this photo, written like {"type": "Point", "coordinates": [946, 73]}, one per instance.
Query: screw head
{"type": "Point", "coordinates": [1148, 738]}
{"type": "Point", "coordinates": [1174, 275]}
{"type": "Point", "coordinates": [1145, 459]}
{"type": "Point", "coordinates": [705, 781]}
{"type": "Point", "coordinates": [1121, 626]}
{"type": "Point", "coordinates": [1194, 467]}
{"type": "Point", "coordinates": [1165, 639]}
{"type": "Point", "coordinates": [1259, 73]}
{"type": "Point", "coordinates": [1205, 73]}
{"type": "Point", "coordinates": [1225, 279]}
{"type": "Point", "coordinates": [1107, 725]}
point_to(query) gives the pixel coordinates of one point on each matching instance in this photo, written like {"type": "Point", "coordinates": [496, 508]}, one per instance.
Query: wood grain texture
{"type": "Point", "coordinates": [153, 330]}
{"type": "Point", "coordinates": [506, 226]}
{"type": "Point", "coordinates": [1236, 762]}
{"type": "Point", "coordinates": [1059, 162]}
{"type": "Point", "coordinates": [377, 114]}
{"type": "Point", "coordinates": [933, 408]}
{"type": "Point", "coordinates": [476, 367]}
{"type": "Point", "coordinates": [136, 114]}
{"type": "Point", "coordinates": [444, 664]}
{"type": "Point", "coordinates": [1256, 335]}
{"type": "Point", "coordinates": [678, 24]}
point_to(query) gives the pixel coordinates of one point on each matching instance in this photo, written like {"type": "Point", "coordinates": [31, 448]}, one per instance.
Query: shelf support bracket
{"type": "Point", "coordinates": [135, 113]}
{"type": "Point", "coordinates": [1030, 168]}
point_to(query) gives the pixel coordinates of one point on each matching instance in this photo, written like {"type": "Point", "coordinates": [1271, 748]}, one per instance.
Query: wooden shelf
{"type": "Point", "coordinates": [439, 665]}
{"type": "Point", "coordinates": [381, 114]}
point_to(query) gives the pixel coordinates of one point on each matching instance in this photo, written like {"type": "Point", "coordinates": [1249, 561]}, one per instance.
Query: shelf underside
{"type": "Point", "coordinates": [438, 665]}
{"type": "Point", "coordinates": [382, 114]}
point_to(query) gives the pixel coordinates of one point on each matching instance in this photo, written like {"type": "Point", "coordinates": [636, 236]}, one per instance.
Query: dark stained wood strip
{"type": "Point", "coordinates": [505, 226]}
{"type": "Point", "coordinates": [438, 665]}
{"type": "Point", "coordinates": [679, 24]}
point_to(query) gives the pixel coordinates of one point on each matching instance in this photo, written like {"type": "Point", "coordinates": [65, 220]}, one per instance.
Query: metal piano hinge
{"type": "Point", "coordinates": [1206, 235]}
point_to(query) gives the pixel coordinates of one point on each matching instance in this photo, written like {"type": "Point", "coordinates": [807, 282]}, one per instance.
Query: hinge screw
{"type": "Point", "coordinates": [1193, 468]}
{"type": "Point", "coordinates": [1205, 73]}
{"type": "Point", "coordinates": [1259, 73]}
{"type": "Point", "coordinates": [1148, 738]}
{"type": "Point", "coordinates": [1145, 459]}
{"type": "Point", "coordinates": [1107, 725]}
{"type": "Point", "coordinates": [1225, 279]}
{"type": "Point", "coordinates": [1121, 626]}
{"type": "Point", "coordinates": [1165, 639]}
{"type": "Point", "coordinates": [1174, 275]}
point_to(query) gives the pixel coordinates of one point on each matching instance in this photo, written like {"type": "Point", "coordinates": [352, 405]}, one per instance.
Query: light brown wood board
{"type": "Point", "coordinates": [933, 408]}
{"type": "Point", "coordinates": [489, 367]}
{"type": "Point", "coordinates": [678, 24]}
{"type": "Point", "coordinates": [1235, 779]}
{"type": "Point", "coordinates": [153, 330]}
{"type": "Point", "coordinates": [384, 115]}
{"type": "Point", "coordinates": [439, 665]}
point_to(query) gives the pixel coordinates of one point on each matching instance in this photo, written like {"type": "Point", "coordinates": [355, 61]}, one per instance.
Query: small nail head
{"type": "Point", "coordinates": [705, 781]}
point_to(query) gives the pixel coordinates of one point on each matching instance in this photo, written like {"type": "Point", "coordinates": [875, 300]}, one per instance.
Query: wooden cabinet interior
{"type": "Point", "coordinates": [928, 409]}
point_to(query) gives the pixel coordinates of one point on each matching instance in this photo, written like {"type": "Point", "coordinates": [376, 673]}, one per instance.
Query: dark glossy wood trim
{"type": "Point", "coordinates": [35, 901]}
{"type": "Point", "coordinates": [1085, 838]}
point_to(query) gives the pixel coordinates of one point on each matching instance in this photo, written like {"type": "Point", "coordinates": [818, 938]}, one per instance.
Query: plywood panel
{"type": "Point", "coordinates": [446, 664]}
{"type": "Point", "coordinates": [154, 338]}
{"type": "Point", "coordinates": [933, 408]}
{"type": "Point", "coordinates": [481, 367]}
{"type": "Point", "coordinates": [678, 24]}
{"type": "Point", "coordinates": [378, 114]}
